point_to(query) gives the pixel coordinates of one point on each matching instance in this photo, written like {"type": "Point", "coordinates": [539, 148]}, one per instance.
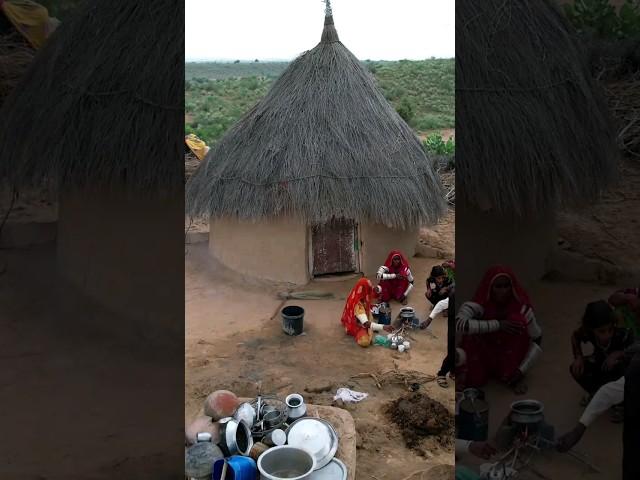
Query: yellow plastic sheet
{"type": "Point", "coordinates": [30, 19]}
{"type": "Point", "coordinates": [197, 146]}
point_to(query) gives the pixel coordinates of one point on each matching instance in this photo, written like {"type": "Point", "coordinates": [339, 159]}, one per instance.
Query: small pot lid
{"type": "Point", "coordinates": [334, 470]}
{"type": "Point", "coordinates": [316, 436]}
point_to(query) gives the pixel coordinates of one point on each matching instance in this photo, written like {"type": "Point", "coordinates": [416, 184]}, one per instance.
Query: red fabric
{"type": "Point", "coordinates": [497, 354]}
{"type": "Point", "coordinates": [394, 289]}
{"type": "Point", "coordinates": [363, 290]}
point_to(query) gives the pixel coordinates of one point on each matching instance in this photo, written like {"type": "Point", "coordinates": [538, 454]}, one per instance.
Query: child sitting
{"type": "Point", "coordinates": [439, 286]}
{"type": "Point", "coordinates": [605, 364]}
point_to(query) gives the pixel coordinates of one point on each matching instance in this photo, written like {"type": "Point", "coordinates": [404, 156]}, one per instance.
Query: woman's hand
{"type": "Point", "coordinates": [612, 360]}
{"type": "Point", "coordinates": [387, 328]}
{"type": "Point", "coordinates": [508, 326]}
{"type": "Point", "coordinates": [577, 367]}
{"type": "Point", "coordinates": [367, 325]}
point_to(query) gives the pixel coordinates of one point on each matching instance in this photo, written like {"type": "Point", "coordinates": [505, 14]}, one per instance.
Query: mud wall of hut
{"type": "Point", "coordinates": [98, 233]}
{"type": "Point", "coordinates": [378, 240]}
{"type": "Point", "coordinates": [272, 249]}
{"type": "Point", "coordinates": [483, 239]}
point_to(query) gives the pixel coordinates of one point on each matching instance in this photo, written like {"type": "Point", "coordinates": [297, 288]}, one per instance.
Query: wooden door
{"type": "Point", "coordinates": [334, 247]}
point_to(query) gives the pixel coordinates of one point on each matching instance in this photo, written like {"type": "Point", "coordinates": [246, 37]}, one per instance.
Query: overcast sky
{"type": "Point", "coordinates": [282, 29]}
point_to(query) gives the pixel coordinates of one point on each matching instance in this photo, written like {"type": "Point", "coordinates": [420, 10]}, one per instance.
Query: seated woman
{"type": "Point", "coordinates": [608, 341]}
{"type": "Point", "coordinates": [500, 334]}
{"type": "Point", "coordinates": [439, 285]}
{"type": "Point", "coordinates": [394, 278]}
{"type": "Point", "coordinates": [627, 306]}
{"type": "Point", "coordinates": [357, 317]}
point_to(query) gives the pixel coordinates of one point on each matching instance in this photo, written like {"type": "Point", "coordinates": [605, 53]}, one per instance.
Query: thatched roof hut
{"type": "Point", "coordinates": [323, 144]}
{"type": "Point", "coordinates": [535, 134]}
{"type": "Point", "coordinates": [92, 109]}
{"type": "Point", "coordinates": [532, 119]}
{"type": "Point", "coordinates": [94, 120]}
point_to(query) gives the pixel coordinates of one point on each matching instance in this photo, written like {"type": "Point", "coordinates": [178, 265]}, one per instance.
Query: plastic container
{"type": "Point", "coordinates": [238, 468]}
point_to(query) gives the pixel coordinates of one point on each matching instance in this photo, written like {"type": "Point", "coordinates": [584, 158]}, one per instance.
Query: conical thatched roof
{"type": "Point", "coordinates": [323, 142]}
{"type": "Point", "coordinates": [533, 128]}
{"type": "Point", "coordinates": [102, 103]}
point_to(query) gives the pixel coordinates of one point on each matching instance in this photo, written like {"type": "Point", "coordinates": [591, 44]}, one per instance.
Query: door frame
{"type": "Point", "coordinates": [356, 241]}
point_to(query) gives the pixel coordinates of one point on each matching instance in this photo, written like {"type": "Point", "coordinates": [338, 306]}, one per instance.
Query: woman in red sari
{"type": "Point", "coordinates": [395, 278]}
{"type": "Point", "coordinates": [357, 317]}
{"type": "Point", "coordinates": [500, 334]}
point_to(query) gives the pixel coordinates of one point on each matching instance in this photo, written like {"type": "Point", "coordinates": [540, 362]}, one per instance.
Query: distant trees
{"type": "Point", "coordinates": [218, 94]}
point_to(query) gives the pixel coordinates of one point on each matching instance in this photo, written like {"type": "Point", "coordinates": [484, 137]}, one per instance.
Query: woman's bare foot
{"type": "Point", "coordinates": [567, 441]}
{"type": "Point", "coordinates": [520, 387]}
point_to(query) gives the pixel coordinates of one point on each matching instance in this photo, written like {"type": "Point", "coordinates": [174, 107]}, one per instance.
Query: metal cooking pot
{"type": "Point", "coordinates": [527, 412]}
{"type": "Point", "coordinates": [286, 462]}
{"type": "Point", "coordinates": [235, 437]}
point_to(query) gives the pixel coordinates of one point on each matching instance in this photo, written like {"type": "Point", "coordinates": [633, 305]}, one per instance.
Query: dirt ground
{"type": "Point", "coordinates": [234, 340]}
{"type": "Point", "coordinates": [59, 352]}
{"type": "Point", "coordinates": [608, 230]}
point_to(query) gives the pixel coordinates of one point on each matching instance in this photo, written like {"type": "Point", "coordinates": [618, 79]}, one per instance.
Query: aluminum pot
{"type": "Point", "coordinates": [527, 412]}
{"type": "Point", "coordinates": [286, 462]}
{"type": "Point", "coordinates": [235, 437]}
{"type": "Point", "coordinates": [296, 406]}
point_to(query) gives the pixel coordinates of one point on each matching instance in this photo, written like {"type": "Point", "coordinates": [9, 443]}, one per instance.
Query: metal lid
{"type": "Point", "coordinates": [316, 436]}
{"type": "Point", "coordinates": [334, 470]}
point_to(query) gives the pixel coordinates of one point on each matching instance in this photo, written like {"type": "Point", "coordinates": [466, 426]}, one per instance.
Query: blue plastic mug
{"type": "Point", "coordinates": [238, 468]}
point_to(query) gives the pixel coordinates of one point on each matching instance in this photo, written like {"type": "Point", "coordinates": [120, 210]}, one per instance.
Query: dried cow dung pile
{"type": "Point", "coordinates": [421, 418]}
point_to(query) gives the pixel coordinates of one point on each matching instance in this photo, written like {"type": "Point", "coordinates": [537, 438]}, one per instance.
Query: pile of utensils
{"type": "Point", "coordinates": [268, 438]}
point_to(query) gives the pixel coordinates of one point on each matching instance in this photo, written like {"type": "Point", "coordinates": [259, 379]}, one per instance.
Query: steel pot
{"type": "Point", "coordinates": [286, 462]}
{"type": "Point", "coordinates": [527, 412]}
{"type": "Point", "coordinates": [296, 406]}
{"type": "Point", "coordinates": [235, 437]}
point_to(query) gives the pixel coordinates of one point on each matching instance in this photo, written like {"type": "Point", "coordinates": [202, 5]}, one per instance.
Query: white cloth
{"type": "Point", "coordinates": [350, 396]}
{"type": "Point", "coordinates": [607, 396]}
{"type": "Point", "coordinates": [440, 307]}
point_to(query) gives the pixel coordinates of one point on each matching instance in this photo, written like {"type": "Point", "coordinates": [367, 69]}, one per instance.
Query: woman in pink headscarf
{"type": "Point", "coordinates": [500, 334]}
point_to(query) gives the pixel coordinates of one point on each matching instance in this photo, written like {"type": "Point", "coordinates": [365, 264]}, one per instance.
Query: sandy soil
{"type": "Point", "coordinates": [608, 230]}
{"type": "Point", "coordinates": [234, 340]}
{"type": "Point", "coordinates": [58, 354]}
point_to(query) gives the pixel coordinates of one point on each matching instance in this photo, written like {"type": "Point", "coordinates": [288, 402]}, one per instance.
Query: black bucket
{"type": "Point", "coordinates": [292, 320]}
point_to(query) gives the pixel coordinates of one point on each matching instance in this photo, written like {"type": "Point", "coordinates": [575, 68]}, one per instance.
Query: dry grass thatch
{"type": "Point", "coordinates": [536, 132]}
{"type": "Point", "coordinates": [15, 57]}
{"type": "Point", "coordinates": [103, 102]}
{"type": "Point", "coordinates": [323, 142]}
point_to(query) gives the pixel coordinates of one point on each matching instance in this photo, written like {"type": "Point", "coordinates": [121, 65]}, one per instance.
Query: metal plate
{"type": "Point", "coordinates": [334, 470]}
{"type": "Point", "coordinates": [316, 436]}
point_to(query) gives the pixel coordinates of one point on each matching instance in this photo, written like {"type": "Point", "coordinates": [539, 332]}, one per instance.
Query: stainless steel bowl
{"type": "Point", "coordinates": [286, 463]}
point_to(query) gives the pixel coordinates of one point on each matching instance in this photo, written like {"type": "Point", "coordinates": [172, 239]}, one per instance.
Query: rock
{"type": "Point", "coordinates": [319, 387]}
{"type": "Point", "coordinates": [221, 404]}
